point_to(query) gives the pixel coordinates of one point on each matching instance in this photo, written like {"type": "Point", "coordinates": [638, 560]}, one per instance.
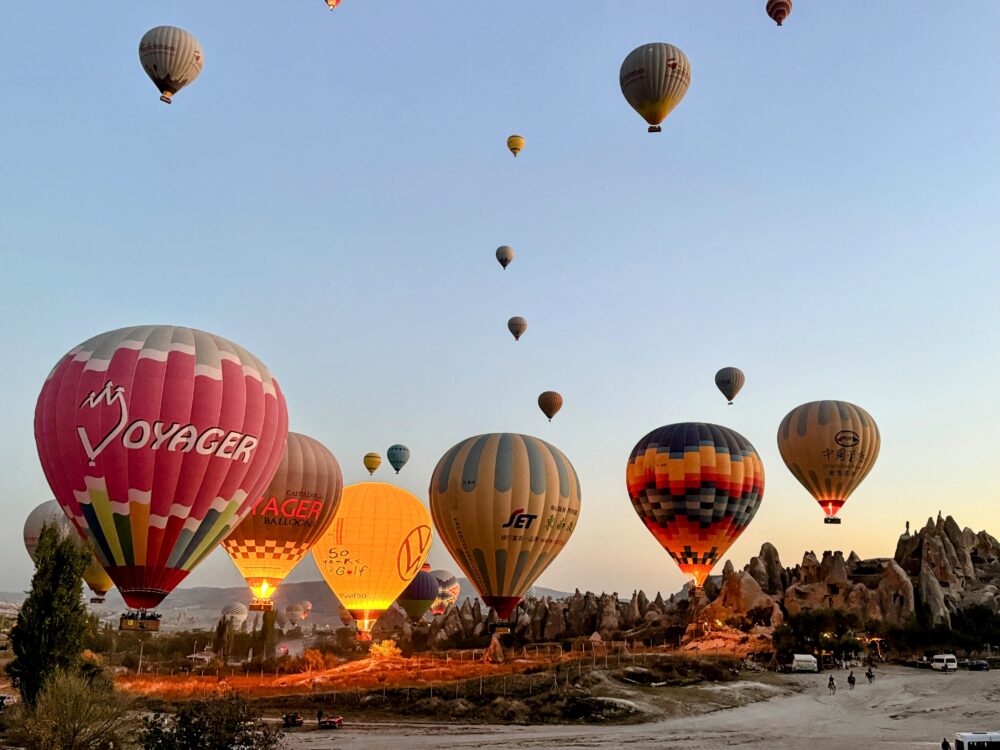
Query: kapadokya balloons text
{"type": "Point", "coordinates": [172, 58]}
{"type": "Point", "coordinates": [779, 10]}
{"type": "Point", "coordinates": [829, 446]}
{"type": "Point", "coordinates": [156, 441]}
{"type": "Point", "coordinates": [696, 487]}
{"type": "Point", "coordinates": [504, 505]}
{"type": "Point", "coordinates": [505, 256]}
{"type": "Point", "coordinates": [50, 514]}
{"type": "Point", "coordinates": [516, 144]}
{"type": "Point", "coordinates": [372, 461]}
{"type": "Point", "coordinates": [398, 455]}
{"type": "Point", "coordinates": [654, 78]}
{"type": "Point", "coordinates": [288, 518]}
{"type": "Point", "coordinates": [448, 590]}
{"type": "Point", "coordinates": [420, 594]}
{"type": "Point", "coordinates": [517, 326]}
{"type": "Point", "coordinates": [730, 381]}
{"type": "Point", "coordinates": [374, 548]}
{"type": "Point", "coordinates": [550, 403]}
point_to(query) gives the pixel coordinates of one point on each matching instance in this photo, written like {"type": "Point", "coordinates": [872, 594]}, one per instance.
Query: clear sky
{"type": "Point", "coordinates": [822, 210]}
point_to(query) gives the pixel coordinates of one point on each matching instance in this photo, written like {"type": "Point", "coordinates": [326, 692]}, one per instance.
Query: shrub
{"type": "Point", "coordinates": [221, 723]}
{"type": "Point", "coordinates": [386, 649]}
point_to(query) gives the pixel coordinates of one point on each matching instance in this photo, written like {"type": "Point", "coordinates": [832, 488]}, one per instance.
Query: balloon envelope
{"type": "Point", "coordinates": [730, 381]}
{"type": "Point", "coordinates": [372, 461]}
{"type": "Point", "coordinates": [398, 455]}
{"type": "Point", "coordinates": [829, 446]}
{"type": "Point", "coordinates": [696, 487]}
{"type": "Point", "coordinates": [448, 590]}
{"type": "Point", "coordinates": [50, 514]}
{"type": "Point", "coordinates": [288, 518]}
{"type": "Point", "coordinates": [515, 143]}
{"type": "Point", "coordinates": [654, 78]}
{"type": "Point", "coordinates": [419, 595]}
{"type": "Point", "coordinates": [373, 549]}
{"type": "Point", "coordinates": [156, 441]}
{"type": "Point", "coordinates": [550, 403]}
{"type": "Point", "coordinates": [505, 505]}
{"type": "Point", "coordinates": [517, 326]}
{"type": "Point", "coordinates": [505, 255]}
{"type": "Point", "coordinates": [779, 10]}
{"type": "Point", "coordinates": [171, 57]}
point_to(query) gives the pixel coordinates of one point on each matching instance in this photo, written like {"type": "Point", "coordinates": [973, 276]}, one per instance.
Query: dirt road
{"type": "Point", "coordinates": [905, 708]}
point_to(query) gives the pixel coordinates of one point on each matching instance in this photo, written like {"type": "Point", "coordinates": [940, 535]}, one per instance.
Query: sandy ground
{"type": "Point", "coordinates": [904, 708]}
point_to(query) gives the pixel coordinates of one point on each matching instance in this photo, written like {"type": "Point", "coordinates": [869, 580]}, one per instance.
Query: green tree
{"type": "Point", "coordinates": [51, 627]}
{"type": "Point", "coordinates": [221, 723]}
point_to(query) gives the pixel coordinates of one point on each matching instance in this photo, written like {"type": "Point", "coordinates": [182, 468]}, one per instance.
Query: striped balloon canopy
{"type": "Point", "coordinates": [696, 487]}
{"type": "Point", "coordinates": [156, 441]}
{"type": "Point", "coordinates": [654, 78]}
{"type": "Point", "coordinates": [448, 590]}
{"type": "Point", "coordinates": [830, 447]}
{"type": "Point", "coordinates": [505, 505]}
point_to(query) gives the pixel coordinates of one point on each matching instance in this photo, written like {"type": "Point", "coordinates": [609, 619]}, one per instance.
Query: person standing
{"type": "Point", "coordinates": [851, 680]}
{"type": "Point", "coordinates": [832, 686]}
{"type": "Point", "coordinates": [319, 716]}
{"type": "Point", "coordinates": [945, 745]}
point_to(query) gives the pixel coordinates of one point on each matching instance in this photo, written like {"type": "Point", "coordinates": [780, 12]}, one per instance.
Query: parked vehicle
{"type": "Point", "coordinates": [293, 720]}
{"type": "Point", "coordinates": [977, 741]}
{"type": "Point", "coordinates": [979, 665]}
{"type": "Point", "coordinates": [945, 663]}
{"type": "Point", "coordinates": [804, 663]}
{"type": "Point", "coordinates": [334, 722]}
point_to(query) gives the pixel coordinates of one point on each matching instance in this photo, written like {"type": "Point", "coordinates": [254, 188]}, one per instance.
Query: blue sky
{"type": "Point", "coordinates": [822, 210]}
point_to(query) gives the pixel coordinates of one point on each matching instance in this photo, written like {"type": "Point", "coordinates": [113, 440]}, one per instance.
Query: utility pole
{"type": "Point", "coordinates": [141, 644]}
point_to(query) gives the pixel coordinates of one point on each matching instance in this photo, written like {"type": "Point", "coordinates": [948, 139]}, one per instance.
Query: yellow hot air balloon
{"type": "Point", "coordinates": [172, 58]}
{"type": "Point", "coordinates": [515, 143]}
{"type": "Point", "coordinates": [294, 511]}
{"type": "Point", "coordinates": [829, 446]}
{"type": "Point", "coordinates": [654, 78]}
{"type": "Point", "coordinates": [372, 461]}
{"type": "Point", "coordinates": [505, 505]}
{"type": "Point", "coordinates": [374, 548]}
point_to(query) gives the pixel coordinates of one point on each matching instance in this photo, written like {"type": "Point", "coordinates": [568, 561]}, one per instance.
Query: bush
{"type": "Point", "coordinates": [222, 723]}
{"type": "Point", "coordinates": [71, 712]}
{"type": "Point", "coordinates": [386, 649]}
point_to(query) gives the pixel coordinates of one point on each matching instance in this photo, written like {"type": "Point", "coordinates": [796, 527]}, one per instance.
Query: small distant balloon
{"type": "Point", "coordinates": [517, 326]}
{"type": "Point", "coordinates": [372, 461]}
{"type": "Point", "coordinates": [654, 78]}
{"type": "Point", "coordinates": [172, 58]}
{"type": "Point", "coordinates": [331, 4]}
{"type": "Point", "coordinates": [515, 143]}
{"type": "Point", "coordinates": [550, 403]}
{"type": "Point", "coordinates": [398, 455]}
{"type": "Point", "coordinates": [730, 380]}
{"type": "Point", "coordinates": [505, 256]}
{"type": "Point", "coordinates": [779, 10]}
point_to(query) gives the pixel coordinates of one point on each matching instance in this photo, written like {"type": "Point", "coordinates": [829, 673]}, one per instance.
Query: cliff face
{"type": "Point", "coordinates": [942, 568]}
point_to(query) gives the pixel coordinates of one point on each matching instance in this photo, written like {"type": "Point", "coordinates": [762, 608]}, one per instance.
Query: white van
{"type": "Point", "coordinates": [945, 663]}
{"type": "Point", "coordinates": [804, 663]}
{"type": "Point", "coordinates": [977, 740]}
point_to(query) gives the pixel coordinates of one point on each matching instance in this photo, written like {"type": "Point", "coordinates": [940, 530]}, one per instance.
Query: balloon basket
{"type": "Point", "coordinates": [655, 129]}
{"type": "Point", "coordinates": [261, 605]}
{"type": "Point", "coordinates": [97, 600]}
{"type": "Point", "coordinates": [140, 622]}
{"type": "Point", "coordinates": [166, 99]}
{"type": "Point", "coordinates": [832, 520]}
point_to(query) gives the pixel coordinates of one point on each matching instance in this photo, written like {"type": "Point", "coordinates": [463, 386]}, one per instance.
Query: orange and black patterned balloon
{"type": "Point", "coordinates": [696, 487]}
{"type": "Point", "coordinates": [779, 10]}
{"type": "Point", "coordinates": [829, 446]}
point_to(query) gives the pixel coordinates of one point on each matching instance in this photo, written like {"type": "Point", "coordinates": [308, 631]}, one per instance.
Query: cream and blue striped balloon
{"type": "Point", "coordinates": [505, 505]}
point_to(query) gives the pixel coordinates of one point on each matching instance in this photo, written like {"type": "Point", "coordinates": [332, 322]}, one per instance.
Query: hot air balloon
{"type": "Point", "coordinates": [172, 58]}
{"type": "Point", "coordinates": [50, 514]}
{"type": "Point", "coordinates": [156, 441]}
{"type": "Point", "coordinates": [331, 4]}
{"type": "Point", "coordinates": [696, 487]}
{"type": "Point", "coordinates": [372, 461]}
{"type": "Point", "coordinates": [505, 255]}
{"type": "Point", "coordinates": [448, 590]}
{"type": "Point", "coordinates": [779, 10]}
{"type": "Point", "coordinates": [515, 143]}
{"type": "Point", "coordinates": [517, 326]}
{"type": "Point", "coordinates": [307, 608]}
{"type": "Point", "coordinates": [730, 380]}
{"type": "Point", "coordinates": [375, 547]}
{"type": "Point", "coordinates": [420, 594]}
{"type": "Point", "coordinates": [287, 519]}
{"type": "Point", "coordinates": [550, 403]}
{"type": "Point", "coordinates": [505, 505]}
{"type": "Point", "coordinates": [654, 78]}
{"type": "Point", "coordinates": [236, 613]}
{"type": "Point", "coordinates": [294, 614]}
{"type": "Point", "coordinates": [829, 446]}
{"type": "Point", "coordinates": [398, 455]}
